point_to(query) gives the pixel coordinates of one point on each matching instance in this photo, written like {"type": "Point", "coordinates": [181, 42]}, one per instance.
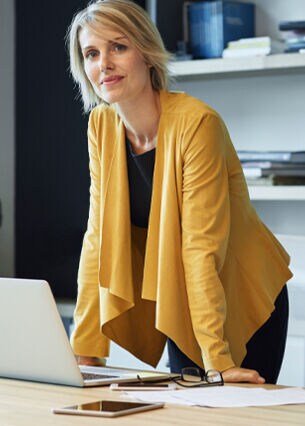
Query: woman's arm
{"type": "Point", "coordinates": [205, 233]}
{"type": "Point", "coordinates": [86, 338]}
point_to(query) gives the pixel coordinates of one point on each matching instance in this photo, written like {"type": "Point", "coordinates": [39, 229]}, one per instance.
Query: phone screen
{"type": "Point", "coordinates": [110, 406]}
{"type": "Point", "coordinates": [107, 408]}
{"type": "Point", "coordinates": [142, 385]}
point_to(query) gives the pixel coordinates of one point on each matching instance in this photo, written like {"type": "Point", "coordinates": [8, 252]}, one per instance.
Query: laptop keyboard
{"type": "Point", "coordinates": [95, 376]}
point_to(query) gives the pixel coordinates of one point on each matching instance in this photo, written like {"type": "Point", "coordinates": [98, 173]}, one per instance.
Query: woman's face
{"type": "Point", "coordinates": [115, 68]}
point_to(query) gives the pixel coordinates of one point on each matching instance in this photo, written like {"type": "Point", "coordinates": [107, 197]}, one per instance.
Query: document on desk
{"type": "Point", "coordinates": [225, 396]}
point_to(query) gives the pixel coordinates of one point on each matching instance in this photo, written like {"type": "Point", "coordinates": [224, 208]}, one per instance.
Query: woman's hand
{"type": "Point", "coordinates": [238, 375]}
{"type": "Point", "coordinates": [91, 360]}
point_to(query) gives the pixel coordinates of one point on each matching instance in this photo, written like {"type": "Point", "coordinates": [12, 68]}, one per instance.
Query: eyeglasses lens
{"type": "Point", "coordinates": [191, 375]}
{"type": "Point", "coordinates": [213, 376]}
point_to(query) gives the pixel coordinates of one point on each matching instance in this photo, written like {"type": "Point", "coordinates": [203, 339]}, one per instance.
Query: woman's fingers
{"type": "Point", "coordinates": [239, 375]}
{"type": "Point", "coordinates": [91, 360]}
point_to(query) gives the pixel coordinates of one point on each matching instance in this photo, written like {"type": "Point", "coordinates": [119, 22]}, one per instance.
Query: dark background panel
{"type": "Point", "coordinates": [170, 22]}
{"type": "Point", "coordinates": [52, 178]}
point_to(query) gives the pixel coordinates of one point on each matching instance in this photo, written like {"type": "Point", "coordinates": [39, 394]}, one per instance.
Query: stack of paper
{"type": "Point", "coordinates": [256, 46]}
{"type": "Point", "coordinates": [225, 396]}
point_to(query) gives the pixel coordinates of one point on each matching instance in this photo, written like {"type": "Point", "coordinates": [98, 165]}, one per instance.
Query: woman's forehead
{"type": "Point", "coordinates": [106, 30]}
{"type": "Point", "coordinates": [101, 33]}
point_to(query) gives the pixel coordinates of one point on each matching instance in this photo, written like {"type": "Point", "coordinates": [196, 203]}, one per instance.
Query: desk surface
{"type": "Point", "coordinates": [29, 404]}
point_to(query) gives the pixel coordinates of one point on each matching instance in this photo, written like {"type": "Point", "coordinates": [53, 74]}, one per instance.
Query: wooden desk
{"type": "Point", "coordinates": [29, 404]}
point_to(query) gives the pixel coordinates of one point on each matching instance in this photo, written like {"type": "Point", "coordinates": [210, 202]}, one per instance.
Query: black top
{"type": "Point", "coordinates": [140, 177]}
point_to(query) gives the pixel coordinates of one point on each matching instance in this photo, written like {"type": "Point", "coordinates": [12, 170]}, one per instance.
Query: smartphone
{"type": "Point", "coordinates": [148, 386]}
{"type": "Point", "coordinates": [107, 408]}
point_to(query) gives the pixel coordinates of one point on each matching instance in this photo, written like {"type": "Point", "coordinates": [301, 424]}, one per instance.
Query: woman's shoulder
{"type": "Point", "coordinates": [175, 102]}
{"type": "Point", "coordinates": [102, 110]}
{"type": "Point", "coordinates": [102, 113]}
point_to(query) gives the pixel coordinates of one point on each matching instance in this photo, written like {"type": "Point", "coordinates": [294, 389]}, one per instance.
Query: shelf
{"type": "Point", "coordinates": [288, 193]}
{"type": "Point", "coordinates": [212, 67]}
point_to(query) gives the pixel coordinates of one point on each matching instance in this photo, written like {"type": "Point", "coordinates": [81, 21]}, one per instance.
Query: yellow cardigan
{"type": "Point", "coordinates": [208, 271]}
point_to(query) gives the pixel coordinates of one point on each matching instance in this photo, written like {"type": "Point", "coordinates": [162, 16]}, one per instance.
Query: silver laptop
{"type": "Point", "coordinates": [34, 343]}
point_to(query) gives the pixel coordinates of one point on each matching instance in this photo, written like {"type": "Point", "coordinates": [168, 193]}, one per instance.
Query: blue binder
{"type": "Point", "coordinates": [212, 24]}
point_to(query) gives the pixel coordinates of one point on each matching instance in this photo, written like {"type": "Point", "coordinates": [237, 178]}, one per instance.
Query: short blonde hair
{"type": "Point", "coordinates": [130, 19]}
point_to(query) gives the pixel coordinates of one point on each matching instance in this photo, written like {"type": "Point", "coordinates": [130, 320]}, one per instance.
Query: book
{"type": "Point", "coordinates": [213, 24]}
{"type": "Point", "coordinates": [291, 25]}
{"type": "Point", "coordinates": [281, 156]}
{"type": "Point", "coordinates": [274, 180]}
{"type": "Point", "coordinates": [295, 39]}
{"type": "Point", "coordinates": [252, 172]}
{"type": "Point", "coordinates": [249, 42]}
{"type": "Point", "coordinates": [277, 165]}
{"type": "Point", "coordinates": [246, 53]}
{"type": "Point", "coordinates": [295, 47]}
{"type": "Point", "coordinates": [259, 181]}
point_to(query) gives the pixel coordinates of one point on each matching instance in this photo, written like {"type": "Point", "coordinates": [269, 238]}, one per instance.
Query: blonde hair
{"type": "Point", "coordinates": [130, 19]}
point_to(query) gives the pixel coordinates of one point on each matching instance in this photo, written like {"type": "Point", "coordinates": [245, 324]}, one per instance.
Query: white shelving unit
{"type": "Point", "coordinates": [211, 67]}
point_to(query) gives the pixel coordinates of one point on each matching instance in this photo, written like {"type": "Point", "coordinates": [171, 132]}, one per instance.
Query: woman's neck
{"type": "Point", "coordinates": [141, 120]}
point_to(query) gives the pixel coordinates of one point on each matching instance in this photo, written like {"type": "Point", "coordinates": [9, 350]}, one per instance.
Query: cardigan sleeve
{"type": "Point", "coordinates": [205, 232]}
{"type": "Point", "coordinates": [86, 338]}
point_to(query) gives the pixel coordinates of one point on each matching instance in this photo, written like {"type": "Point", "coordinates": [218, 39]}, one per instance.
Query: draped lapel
{"type": "Point", "coordinates": [115, 259]}
{"type": "Point", "coordinates": [116, 254]}
{"type": "Point", "coordinates": [151, 265]}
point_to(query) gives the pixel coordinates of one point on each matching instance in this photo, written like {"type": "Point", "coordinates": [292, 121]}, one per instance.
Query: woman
{"type": "Point", "coordinates": [174, 250]}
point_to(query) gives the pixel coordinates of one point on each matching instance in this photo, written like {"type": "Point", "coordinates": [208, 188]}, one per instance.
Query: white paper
{"type": "Point", "coordinates": [225, 396]}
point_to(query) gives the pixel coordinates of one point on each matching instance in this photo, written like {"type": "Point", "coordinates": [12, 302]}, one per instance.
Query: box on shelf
{"type": "Point", "coordinates": [212, 24]}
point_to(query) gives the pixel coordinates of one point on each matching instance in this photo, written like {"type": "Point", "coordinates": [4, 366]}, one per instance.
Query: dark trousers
{"type": "Point", "coordinates": [265, 349]}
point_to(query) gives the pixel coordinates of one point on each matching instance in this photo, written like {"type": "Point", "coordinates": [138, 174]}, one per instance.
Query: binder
{"type": "Point", "coordinates": [212, 24]}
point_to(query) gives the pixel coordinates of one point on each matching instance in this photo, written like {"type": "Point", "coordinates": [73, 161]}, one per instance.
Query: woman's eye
{"type": "Point", "coordinates": [117, 47]}
{"type": "Point", "coordinates": [91, 54]}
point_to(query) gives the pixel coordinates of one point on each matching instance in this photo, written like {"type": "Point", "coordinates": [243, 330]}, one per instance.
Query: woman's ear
{"type": "Point", "coordinates": [148, 64]}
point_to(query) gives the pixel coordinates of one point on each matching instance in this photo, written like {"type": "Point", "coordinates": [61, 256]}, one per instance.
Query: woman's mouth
{"type": "Point", "coordinates": [108, 81]}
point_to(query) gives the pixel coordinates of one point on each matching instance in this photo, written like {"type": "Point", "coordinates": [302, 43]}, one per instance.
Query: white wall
{"type": "Point", "coordinates": [7, 136]}
{"type": "Point", "coordinates": [270, 12]}
{"type": "Point", "coordinates": [261, 111]}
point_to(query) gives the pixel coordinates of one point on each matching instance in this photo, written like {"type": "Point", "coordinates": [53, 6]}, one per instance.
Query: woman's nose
{"type": "Point", "coordinates": [104, 63]}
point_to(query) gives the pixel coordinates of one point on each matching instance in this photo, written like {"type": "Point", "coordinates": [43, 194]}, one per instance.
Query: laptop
{"type": "Point", "coordinates": [35, 345]}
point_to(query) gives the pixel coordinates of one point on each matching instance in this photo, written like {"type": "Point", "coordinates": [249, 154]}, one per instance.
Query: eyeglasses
{"type": "Point", "coordinates": [194, 377]}
{"type": "Point", "coordinates": [191, 377]}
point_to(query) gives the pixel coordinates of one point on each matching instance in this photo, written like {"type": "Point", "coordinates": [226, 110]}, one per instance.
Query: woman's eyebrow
{"type": "Point", "coordinates": [89, 47]}
{"type": "Point", "coordinates": [108, 41]}
{"type": "Point", "coordinates": [118, 38]}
